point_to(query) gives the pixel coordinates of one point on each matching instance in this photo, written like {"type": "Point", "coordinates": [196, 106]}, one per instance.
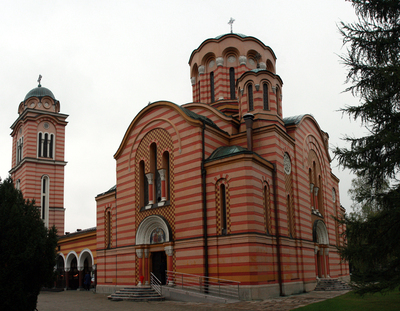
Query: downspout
{"type": "Point", "coordinates": [277, 233]}
{"type": "Point", "coordinates": [203, 177]}
{"type": "Point", "coordinates": [116, 237]}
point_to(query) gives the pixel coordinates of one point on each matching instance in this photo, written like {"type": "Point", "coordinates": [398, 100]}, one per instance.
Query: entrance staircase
{"type": "Point", "coordinates": [331, 285]}
{"type": "Point", "coordinates": [143, 293]}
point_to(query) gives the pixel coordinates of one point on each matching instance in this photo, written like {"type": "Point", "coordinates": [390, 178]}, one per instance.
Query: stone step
{"type": "Point", "coordinates": [331, 285]}
{"type": "Point", "coordinates": [136, 294]}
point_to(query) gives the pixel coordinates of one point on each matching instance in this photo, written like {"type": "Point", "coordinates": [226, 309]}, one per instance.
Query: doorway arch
{"type": "Point", "coordinates": [321, 251]}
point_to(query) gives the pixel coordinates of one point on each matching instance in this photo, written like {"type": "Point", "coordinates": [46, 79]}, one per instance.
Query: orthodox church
{"type": "Point", "coordinates": [224, 187]}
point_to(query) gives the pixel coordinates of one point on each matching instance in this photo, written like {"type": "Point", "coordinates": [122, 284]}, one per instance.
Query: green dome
{"type": "Point", "coordinates": [39, 92]}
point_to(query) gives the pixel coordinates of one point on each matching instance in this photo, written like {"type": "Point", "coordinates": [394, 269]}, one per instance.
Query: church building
{"type": "Point", "coordinates": [224, 186]}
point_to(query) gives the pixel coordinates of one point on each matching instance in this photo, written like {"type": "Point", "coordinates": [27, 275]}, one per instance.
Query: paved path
{"type": "Point", "coordinates": [80, 301]}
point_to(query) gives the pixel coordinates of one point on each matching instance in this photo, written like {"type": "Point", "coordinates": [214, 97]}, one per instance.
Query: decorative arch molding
{"type": "Point", "coordinates": [320, 233]}
{"type": "Point", "coordinates": [147, 226]}
{"type": "Point", "coordinates": [71, 255]}
{"type": "Point", "coordinates": [86, 253]}
{"type": "Point", "coordinates": [132, 156]}
{"type": "Point", "coordinates": [311, 143]}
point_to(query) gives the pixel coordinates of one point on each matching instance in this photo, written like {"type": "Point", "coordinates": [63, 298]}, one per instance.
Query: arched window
{"type": "Point", "coordinates": [107, 228]}
{"type": "Point", "coordinates": [45, 186]}
{"type": "Point", "coordinates": [156, 195]}
{"type": "Point", "coordinates": [265, 96]}
{"type": "Point", "coordinates": [290, 216]}
{"type": "Point", "coordinates": [267, 209]}
{"type": "Point", "coordinates": [144, 185]}
{"type": "Point", "coordinates": [165, 185]}
{"type": "Point", "coordinates": [250, 97]}
{"type": "Point", "coordinates": [45, 145]}
{"type": "Point", "coordinates": [212, 87]}
{"type": "Point", "coordinates": [51, 146]}
{"type": "Point", "coordinates": [224, 226]}
{"type": "Point", "coordinates": [40, 144]}
{"type": "Point", "coordinates": [20, 148]}
{"type": "Point", "coordinates": [232, 82]}
{"type": "Point", "coordinates": [278, 99]}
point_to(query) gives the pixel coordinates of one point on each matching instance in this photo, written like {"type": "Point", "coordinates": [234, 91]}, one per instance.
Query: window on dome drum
{"type": "Point", "coordinates": [45, 145]}
{"type": "Point", "coordinates": [278, 97]}
{"type": "Point", "coordinates": [198, 92]}
{"type": "Point", "coordinates": [20, 148]}
{"type": "Point", "coordinates": [212, 91]}
{"type": "Point", "coordinates": [265, 96]}
{"type": "Point", "coordinates": [44, 213]}
{"type": "Point", "coordinates": [250, 97]}
{"type": "Point", "coordinates": [232, 82]}
{"type": "Point", "coordinates": [223, 210]}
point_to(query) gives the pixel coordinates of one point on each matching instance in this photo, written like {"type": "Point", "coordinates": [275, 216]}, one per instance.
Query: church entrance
{"type": "Point", "coordinates": [159, 265]}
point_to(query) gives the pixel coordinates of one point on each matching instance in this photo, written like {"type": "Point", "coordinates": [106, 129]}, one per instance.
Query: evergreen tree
{"type": "Point", "coordinates": [373, 59]}
{"type": "Point", "coordinates": [27, 250]}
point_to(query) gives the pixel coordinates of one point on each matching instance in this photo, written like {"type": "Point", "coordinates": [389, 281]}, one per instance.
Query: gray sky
{"type": "Point", "coordinates": [105, 60]}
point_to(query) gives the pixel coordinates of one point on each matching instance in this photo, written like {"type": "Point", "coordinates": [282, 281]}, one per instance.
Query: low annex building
{"type": "Point", "coordinates": [225, 186]}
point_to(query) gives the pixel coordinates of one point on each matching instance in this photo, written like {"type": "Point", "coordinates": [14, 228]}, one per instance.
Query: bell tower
{"type": "Point", "coordinates": [38, 145]}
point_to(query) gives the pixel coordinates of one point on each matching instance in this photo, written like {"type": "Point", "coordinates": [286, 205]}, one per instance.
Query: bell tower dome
{"type": "Point", "coordinates": [38, 139]}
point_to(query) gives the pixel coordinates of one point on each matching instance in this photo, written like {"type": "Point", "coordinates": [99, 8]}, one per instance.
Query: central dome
{"type": "Point", "coordinates": [39, 92]}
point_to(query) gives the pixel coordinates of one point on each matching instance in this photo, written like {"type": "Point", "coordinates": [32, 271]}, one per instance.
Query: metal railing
{"type": "Point", "coordinates": [155, 283]}
{"type": "Point", "coordinates": [202, 284]}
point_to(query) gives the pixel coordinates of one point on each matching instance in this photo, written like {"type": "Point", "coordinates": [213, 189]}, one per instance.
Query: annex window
{"type": "Point", "coordinates": [44, 213]}
{"type": "Point", "coordinates": [267, 208]}
{"type": "Point", "coordinates": [223, 210]}
{"type": "Point", "coordinates": [250, 97]}
{"type": "Point", "coordinates": [232, 82]}
{"type": "Point", "coordinates": [107, 228]}
{"type": "Point", "coordinates": [212, 91]}
{"type": "Point", "coordinates": [265, 96]}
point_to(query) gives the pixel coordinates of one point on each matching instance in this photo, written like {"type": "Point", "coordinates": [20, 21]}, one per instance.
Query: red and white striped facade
{"type": "Point", "coordinates": [225, 186]}
{"type": "Point", "coordinates": [38, 163]}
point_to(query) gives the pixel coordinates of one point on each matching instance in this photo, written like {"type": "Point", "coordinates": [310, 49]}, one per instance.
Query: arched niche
{"type": "Point", "coordinates": [148, 225]}
{"type": "Point", "coordinates": [320, 234]}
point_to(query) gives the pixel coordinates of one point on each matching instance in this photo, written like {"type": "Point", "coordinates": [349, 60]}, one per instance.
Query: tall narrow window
{"type": "Point", "coordinates": [144, 186]}
{"type": "Point", "coordinates": [232, 82]}
{"type": "Point", "coordinates": [265, 96]}
{"type": "Point", "coordinates": [278, 99]}
{"type": "Point", "coordinates": [198, 92]}
{"type": "Point", "coordinates": [45, 200]}
{"type": "Point", "coordinates": [267, 207]}
{"type": "Point", "coordinates": [290, 217]}
{"type": "Point", "coordinates": [51, 146]}
{"type": "Point", "coordinates": [40, 137]}
{"type": "Point", "coordinates": [20, 148]}
{"type": "Point", "coordinates": [212, 87]}
{"type": "Point", "coordinates": [223, 210]}
{"type": "Point", "coordinates": [107, 228]}
{"type": "Point", "coordinates": [165, 166]}
{"type": "Point", "coordinates": [45, 144]}
{"type": "Point", "coordinates": [156, 175]}
{"type": "Point", "coordinates": [250, 97]}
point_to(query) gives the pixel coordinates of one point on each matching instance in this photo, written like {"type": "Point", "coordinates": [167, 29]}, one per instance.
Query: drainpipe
{"type": "Point", "coordinates": [248, 119]}
{"type": "Point", "coordinates": [203, 177]}
{"type": "Point", "coordinates": [277, 233]}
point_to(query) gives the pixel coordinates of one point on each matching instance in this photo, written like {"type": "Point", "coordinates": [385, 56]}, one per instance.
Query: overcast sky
{"type": "Point", "coordinates": [105, 60]}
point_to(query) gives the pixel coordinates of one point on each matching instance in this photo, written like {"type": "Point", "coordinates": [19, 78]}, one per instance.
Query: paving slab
{"type": "Point", "coordinates": [84, 300]}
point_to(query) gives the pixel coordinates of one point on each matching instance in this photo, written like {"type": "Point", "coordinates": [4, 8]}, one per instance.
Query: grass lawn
{"type": "Point", "coordinates": [353, 302]}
